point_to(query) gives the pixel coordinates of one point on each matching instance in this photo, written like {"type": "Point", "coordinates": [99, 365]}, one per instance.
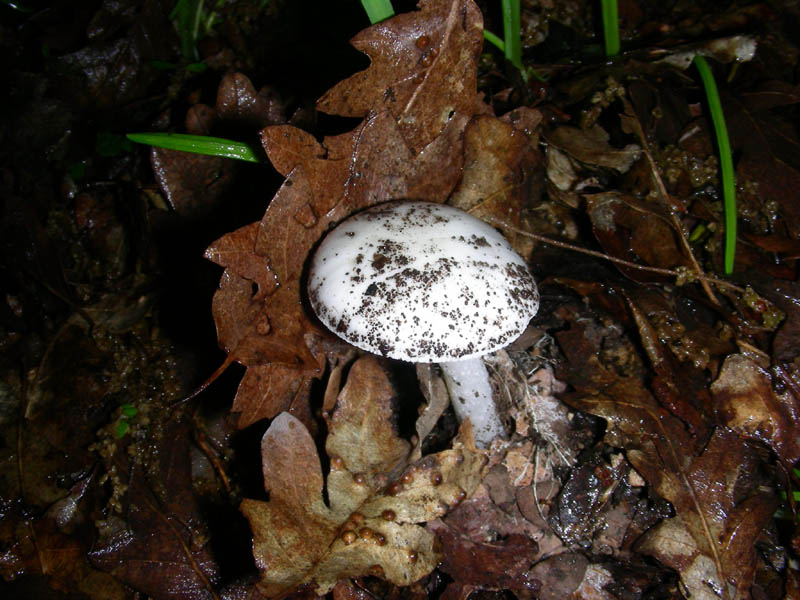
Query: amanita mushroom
{"type": "Point", "coordinates": [425, 282]}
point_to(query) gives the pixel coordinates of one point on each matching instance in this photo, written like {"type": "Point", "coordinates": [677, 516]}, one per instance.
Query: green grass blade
{"type": "Point", "coordinates": [610, 26]}
{"type": "Point", "coordinates": [186, 14]}
{"type": "Point", "coordinates": [511, 33]}
{"type": "Point", "coordinates": [493, 39]}
{"type": "Point", "coordinates": [197, 144]}
{"type": "Point", "coordinates": [378, 10]}
{"type": "Point", "coordinates": [725, 159]}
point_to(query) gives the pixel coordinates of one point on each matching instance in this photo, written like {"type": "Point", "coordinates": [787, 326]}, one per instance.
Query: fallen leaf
{"type": "Point", "coordinates": [710, 540]}
{"type": "Point", "coordinates": [161, 549]}
{"type": "Point", "coordinates": [238, 101]}
{"type": "Point", "coordinates": [191, 182]}
{"type": "Point", "coordinates": [423, 70]}
{"type": "Point", "coordinates": [366, 525]}
{"type": "Point", "coordinates": [558, 576]}
{"type": "Point", "coordinates": [502, 171]}
{"type": "Point", "coordinates": [500, 564]}
{"type": "Point", "coordinates": [437, 401]}
{"type": "Point", "coordinates": [680, 388]}
{"type": "Point", "coordinates": [325, 184]}
{"type": "Point", "coordinates": [591, 146]}
{"type": "Point", "coordinates": [747, 403]}
{"type": "Point", "coordinates": [769, 147]}
{"type": "Point", "coordinates": [633, 231]}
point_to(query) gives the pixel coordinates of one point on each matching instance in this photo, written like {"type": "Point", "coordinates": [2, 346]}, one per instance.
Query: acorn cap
{"type": "Point", "coordinates": [421, 282]}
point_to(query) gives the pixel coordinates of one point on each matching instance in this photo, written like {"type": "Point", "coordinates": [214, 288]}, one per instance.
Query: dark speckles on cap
{"type": "Point", "coordinates": [396, 280]}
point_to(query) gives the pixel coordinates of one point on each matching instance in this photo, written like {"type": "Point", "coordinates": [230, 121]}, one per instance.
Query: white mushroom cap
{"type": "Point", "coordinates": [421, 282]}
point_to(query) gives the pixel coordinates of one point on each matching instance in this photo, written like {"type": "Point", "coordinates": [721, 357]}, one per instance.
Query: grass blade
{"type": "Point", "coordinates": [610, 26]}
{"type": "Point", "coordinates": [378, 10]}
{"type": "Point", "coordinates": [197, 144]}
{"type": "Point", "coordinates": [493, 39]}
{"type": "Point", "coordinates": [725, 159]}
{"type": "Point", "coordinates": [511, 33]}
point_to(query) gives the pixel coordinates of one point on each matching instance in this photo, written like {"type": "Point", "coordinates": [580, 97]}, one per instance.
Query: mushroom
{"type": "Point", "coordinates": [425, 282]}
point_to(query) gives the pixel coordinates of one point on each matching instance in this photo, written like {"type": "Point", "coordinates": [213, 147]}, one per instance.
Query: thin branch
{"type": "Point", "coordinates": [661, 271]}
{"type": "Point", "coordinates": [664, 197]}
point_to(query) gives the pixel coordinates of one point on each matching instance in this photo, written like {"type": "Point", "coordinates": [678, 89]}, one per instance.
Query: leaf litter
{"type": "Point", "coordinates": [370, 524]}
{"type": "Point", "coordinates": [652, 422]}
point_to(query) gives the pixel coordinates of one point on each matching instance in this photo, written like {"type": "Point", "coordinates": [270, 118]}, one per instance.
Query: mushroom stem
{"type": "Point", "coordinates": [471, 396]}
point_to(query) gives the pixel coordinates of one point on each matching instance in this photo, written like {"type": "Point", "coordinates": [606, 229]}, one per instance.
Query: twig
{"type": "Point", "coordinates": [211, 455]}
{"type": "Point", "coordinates": [201, 388]}
{"type": "Point", "coordinates": [661, 271]}
{"type": "Point", "coordinates": [662, 193]}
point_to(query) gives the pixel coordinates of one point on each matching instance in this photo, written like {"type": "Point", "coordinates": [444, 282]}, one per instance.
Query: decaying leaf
{"type": "Point", "coordinates": [423, 70]}
{"type": "Point", "coordinates": [591, 146]}
{"type": "Point", "coordinates": [635, 231]}
{"type": "Point", "coordinates": [748, 404]}
{"type": "Point", "coordinates": [162, 547]}
{"type": "Point", "coordinates": [710, 540]}
{"type": "Point", "coordinates": [367, 525]}
{"type": "Point", "coordinates": [501, 162]}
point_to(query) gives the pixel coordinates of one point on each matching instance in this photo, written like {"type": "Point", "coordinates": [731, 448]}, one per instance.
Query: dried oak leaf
{"type": "Point", "coordinates": [302, 540]}
{"type": "Point", "coordinates": [710, 540]}
{"type": "Point", "coordinates": [191, 182]}
{"type": "Point", "coordinates": [161, 549]}
{"type": "Point", "coordinates": [265, 328]}
{"type": "Point", "coordinates": [501, 164]}
{"type": "Point", "coordinates": [591, 146]}
{"type": "Point", "coordinates": [410, 145]}
{"type": "Point", "coordinates": [636, 231]}
{"type": "Point", "coordinates": [748, 404]}
{"type": "Point", "coordinates": [423, 70]}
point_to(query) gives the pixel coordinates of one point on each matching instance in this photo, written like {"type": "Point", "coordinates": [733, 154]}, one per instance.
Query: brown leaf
{"type": "Point", "coordinates": [245, 328]}
{"type": "Point", "coordinates": [633, 231]}
{"type": "Point", "coordinates": [359, 168]}
{"type": "Point", "coordinates": [299, 539]}
{"type": "Point", "coordinates": [266, 390]}
{"type": "Point", "coordinates": [53, 547]}
{"type": "Point", "coordinates": [423, 70]}
{"type": "Point", "coordinates": [591, 146]}
{"type": "Point", "coordinates": [682, 389]}
{"type": "Point", "coordinates": [191, 182]}
{"type": "Point", "coordinates": [238, 100]}
{"type": "Point", "coordinates": [160, 549]}
{"type": "Point", "coordinates": [785, 295]}
{"type": "Point", "coordinates": [287, 146]}
{"type": "Point", "coordinates": [769, 147]}
{"type": "Point", "coordinates": [748, 404]}
{"type": "Point", "coordinates": [710, 541]}
{"type": "Point", "coordinates": [500, 564]}
{"type": "Point", "coordinates": [500, 165]}
{"type": "Point", "coordinates": [770, 95]}
{"type": "Point", "coordinates": [417, 97]}
{"type": "Point", "coordinates": [559, 576]}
